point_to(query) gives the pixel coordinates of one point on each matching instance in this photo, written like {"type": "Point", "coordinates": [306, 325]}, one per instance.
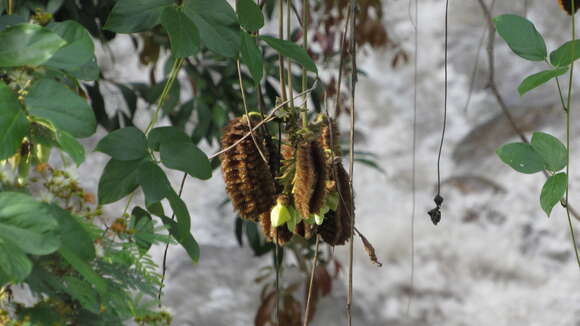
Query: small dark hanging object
{"type": "Point", "coordinates": [435, 213]}
{"type": "Point", "coordinates": [249, 182]}
{"type": "Point", "coordinates": [567, 5]}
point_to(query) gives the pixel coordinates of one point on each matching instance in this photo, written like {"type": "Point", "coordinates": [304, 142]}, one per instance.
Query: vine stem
{"type": "Point", "coordinates": [280, 56]}
{"type": "Point", "coordinates": [305, 25]}
{"type": "Point", "coordinates": [568, 110]}
{"type": "Point", "coordinates": [354, 79]}
{"type": "Point", "coordinates": [172, 76]}
{"type": "Point", "coordinates": [314, 262]}
{"type": "Point", "coordinates": [444, 100]}
{"type": "Point", "coordinates": [10, 8]}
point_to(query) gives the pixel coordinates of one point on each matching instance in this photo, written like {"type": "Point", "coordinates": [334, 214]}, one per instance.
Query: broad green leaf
{"type": "Point", "coordinates": [70, 145]}
{"type": "Point", "coordinates": [28, 44]}
{"type": "Point", "coordinates": [521, 157]}
{"type": "Point", "coordinates": [186, 157]}
{"type": "Point", "coordinates": [131, 16]}
{"type": "Point", "coordinates": [552, 151]}
{"type": "Point", "coordinates": [185, 240]}
{"type": "Point", "coordinates": [13, 122]}
{"type": "Point", "coordinates": [88, 71]}
{"type": "Point", "coordinates": [154, 182]}
{"type": "Point", "coordinates": [250, 15]}
{"type": "Point", "coordinates": [41, 313]}
{"type": "Point", "coordinates": [14, 265]}
{"type": "Point", "coordinates": [144, 228]}
{"type": "Point", "coordinates": [83, 292]}
{"type": "Point", "coordinates": [217, 24]}
{"type": "Point", "coordinates": [27, 224]}
{"type": "Point", "coordinates": [566, 54]}
{"type": "Point", "coordinates": [252, 57]}
{"type": "Point", "coordinates": [161, 135]}
{"type": "Point", "coordinates": [119, 179]}
{"type": "Point", "coordinates": [183, 34]}
{"type": "Point", "coordinates": [84, 269]}
{"type": "Point", "coordinates": [291, 50]}
{"type": "Point", "coordinates": [553, 191]}
{"type": "Point", "coordinates": [540, 78]}
{"type": "Point", "coordinates": [56, 103]}
{"type": "Point", "coordinates": [522, 37]}
{"type": "Point", "coordinates": [73, 234]}
{"type": "Point", "coordinates": [124, 144]}
{"type": "Point", "coordinates": [79, 49]}
{"type": "Point", "coordinates": [180, 210]}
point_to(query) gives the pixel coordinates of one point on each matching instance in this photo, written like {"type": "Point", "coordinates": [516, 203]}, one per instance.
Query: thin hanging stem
{"type": "Point", "coordinates": [172, 76]}
{"type": "Point", "coordinates": [288, 37]}
{"type": "Point", "coordinates": [341, 64]}
{"type": "Point", "coordinates": [568, 132]}
{"type": "Point", "coordinates": [305, 24]}
{"type": "Point", "coordinates": [444, 99]}
{"type": "Point", "coordinates": [314, 262]}
{"type": "Point", "coordinates": [280, 56]}
{"type": "Point", "coordinates": [10, 8]}
{"type": "Point", "coordinates": [354, 80]}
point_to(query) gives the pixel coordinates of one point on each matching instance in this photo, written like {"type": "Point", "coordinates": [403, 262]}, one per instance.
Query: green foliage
{"type": "Point", "coordinates": [252, 57]}
{"type": "Point", "coordinates": [521, 157]}
{"type": "Point", "coordinates": [130, 16]}
{"type": "Point", "coordinates": [124, 144]}
{"type": "Point", "coordinates": [119, 179]}
{"type": "Point", "coordinates": [552, 151]}
{"type": "Point", "coordinates": [566, 54]}
{"type": "Point", "coordinates": [154, 182]}
{"type": "Point", "coordinates": [183, 34]}
{"type": "Point", "coordinates": [53, 101]}
{"type": "Point", "coordinates": [250, 15]}
{"type": "Point", "coordinates": [186, 157]}
{"type": "Point", "coordinates": [522, 37]}
{"type": "Point", "coordinates": [71, 146]}
{"type": "Point", "coordinates": [13, 123]}
{"type": "Point", "coordinates": [533, 81]}
{"type": "Point", "coordinates": [553, 191]}
{"type": "Point", "coordinates": [27, 44]}
{"type": "Point", "coordinates": [79, 48]}
{"type": "Point", "coordinates": [291, 50]}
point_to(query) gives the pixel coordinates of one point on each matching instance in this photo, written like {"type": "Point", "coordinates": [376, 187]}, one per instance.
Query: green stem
{"type": "Point", "coordinates": [568, 131]}
{"type": "Point", "coordinates": [305, 20]}
{"type": "Point", "coordinates": [10, 8]}
{"type": "Point", "coordinates": [172, 76]}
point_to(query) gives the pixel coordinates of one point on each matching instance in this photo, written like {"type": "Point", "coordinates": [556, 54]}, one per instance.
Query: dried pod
{"type": "Point", "coordinates": [330, 139]}
{"type": "Point", "coordinates": [567, 5]}
{"type": "Point", "coordinates": [305, 178]}
{"type": "Point", "coordinates": [336, 228]}
{"type": "Point", "coordinates": [323, 172]}
{"type": "Point", "coordinates": [249, 182]}
{"type": "Point", "coordinates": [281, 235]}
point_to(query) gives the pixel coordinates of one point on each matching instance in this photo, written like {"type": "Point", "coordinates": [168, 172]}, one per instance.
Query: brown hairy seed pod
{"type": "Point", "coordinates": [331, 229]}
{"type": "Point", "coordinates": [305, 178]}
{"type": "Point", "coordinates": [305, 230]}
{"type": "Point", "coordinates": [336, 228]}
{"type": "Point", "coordinates": [567, 5]}
{"type": "Point", "coordinates": [266, 225]}
{"type": "Point", "coordinates": [281, 235]}
{"type": "Point", "coordinates": [249, 182]}
{"type": "Point", "coordinates": [323, 173]}
{"type": "Point", "coordinates": [330, 138]}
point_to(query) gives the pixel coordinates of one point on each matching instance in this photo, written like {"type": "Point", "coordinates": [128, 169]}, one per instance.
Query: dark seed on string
{"type": "Point", "coordinates": [435, 214]}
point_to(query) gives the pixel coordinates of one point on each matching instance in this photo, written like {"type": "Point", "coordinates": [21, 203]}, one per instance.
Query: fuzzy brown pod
{"type": "Point", "coordinates": [305, 230]}
{"type": "Point", "coordinates": [567, 5]}
{"type": "Point", "coordinates": [330, 138]}
{"type": "Point", "coordinates": [336, 228]}
{"type": "Point", "coordinates": [249, 182]}
{"type": "Point", "coordinates": [305, 178]}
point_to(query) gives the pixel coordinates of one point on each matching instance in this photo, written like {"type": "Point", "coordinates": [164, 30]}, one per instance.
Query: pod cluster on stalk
{"type": "Point", "coordinates": [310, 193]}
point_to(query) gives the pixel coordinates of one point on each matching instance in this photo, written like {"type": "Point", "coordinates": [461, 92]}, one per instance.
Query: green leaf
{"type": "Point", "coordinates": [56, 103]}
{"type": "Point", "coordinates": [73, 234]}
{"type": "Point", "coordinates": [552, 151]}
{"type": "Point", "coordinates": [28, 44]}
{"type": "Point", "coordinates": [131, 16]}
{"type": "Point", "coordinates": [79, 49]}
{"type": "Point", "coordinates": [144, 228]}
{"type": "Point", "coordinates": [540, 78]}
{"type": "Point", "coordinates": [27, 224]}
{"type": "Point", "coordinates": [162, 135]}
{"type": "Point", "coordinates": [14, 265]}
{"type": "Point", "coordinates": [84, 269]}
{"type": "Point", "coordinates": [82, 292]}
{"type": "Point", "coordinates": [522, 37]}
{"type": "Point", "coordinates": [566, 54]}
{"type": "Point", "coordinates": [183, 34]}
{"type": "Point", "coordinates": [186, 157]}
{"type": "Point", "coordinates": [553, 191]}
{"type": "Point", "coordinates": [217, 24]}
{"type": "Point", "coordinates": [88, 71]}
{"type": "Point", "coordinates": [71, 146]}
{"type": "Point", "coordinates": [185, 240]}
{"type": "Point", "coordinates": [250, 15]}
{"type": "Point", "coordinates": [521, 157]}
{"type": "Point", "coordinates": [119, 179]}
{"type": "Point", "coordinates": [124, 144]}
{"type": "Point", "coordinates": [291, 50]}
{"type": "Point", "coordinates": [252, 57]}
{"type": "Point", "coordinates": [154, 182]}
{"type": "Point", "coordinates": [11, 20]}
{"type": "Point", "coordinates": [13, 122]}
